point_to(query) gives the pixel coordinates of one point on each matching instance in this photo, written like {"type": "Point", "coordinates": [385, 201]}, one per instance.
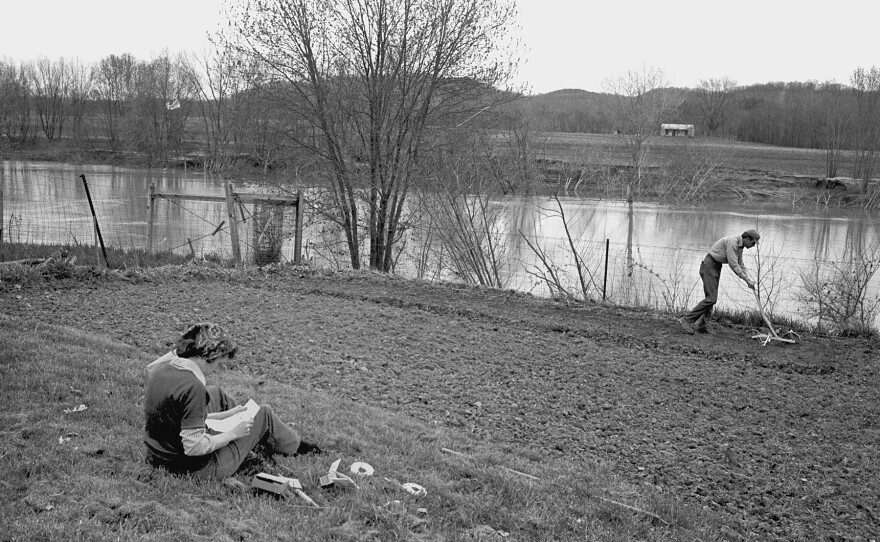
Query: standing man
{"type": "Point", "coordinates": [727, 250]}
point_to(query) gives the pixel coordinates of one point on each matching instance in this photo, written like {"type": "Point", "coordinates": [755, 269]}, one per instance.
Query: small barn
{"type": "Point", "coordinates": [677, 130]}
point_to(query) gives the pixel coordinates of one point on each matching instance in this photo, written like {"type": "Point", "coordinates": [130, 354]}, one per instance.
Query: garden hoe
{"type": "Point", "coordinates": [788, 337]}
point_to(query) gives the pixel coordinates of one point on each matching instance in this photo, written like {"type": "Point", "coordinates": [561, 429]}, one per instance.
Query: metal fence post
{"type": "Point", "coordinates": [605, 281]}
{"type": "Point", "coordinates": [95, 219]}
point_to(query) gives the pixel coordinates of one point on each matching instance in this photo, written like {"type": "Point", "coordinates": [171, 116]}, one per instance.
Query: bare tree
{"type": "Point", "coordinates": [641, 102]}
{"type": "Point", "coordinates": [22, 125]}
{"type": "Point", "coordinates": [835, 122]}
{"type": "Point", "coordinates": [714, 96]}
{"type": "Point", "coordinates": [513, 164]}
{"type": "Point", "coordinates": [9, 95]}
{"type": "Point", "coordinates": [115, 82]}
{"type": "Point", "coordinates": [79, 92]}
{"type": "Point", "coordinates": [866, 132]}
{"type": "Point", "coordinates": [693, 171]}
{"type": "Point", "coordinates": [555, 273]}
{"type": "Point", "coordinates": [837, 293]}
{"type": "Point", "coordinates": [469, 225]}
{"type": "Point", "coordinates": [370, 81]}
{"type": "Point", "coordinates": [226, 84]}
{"type": "Point", "coordinates": [51, 80]}
{"type": "Point", "coordinates": [161, 106]}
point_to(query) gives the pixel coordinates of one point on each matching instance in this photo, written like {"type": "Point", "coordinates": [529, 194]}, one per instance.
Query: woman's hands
{"type": "Point", "coordinates": [241, 430]}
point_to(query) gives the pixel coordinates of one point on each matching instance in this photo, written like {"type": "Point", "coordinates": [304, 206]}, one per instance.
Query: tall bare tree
{"type": "Point", "coordinates": [226, 84]}
{"type": "Point", "coordinates": [714, 96]}
{"type": "Point", "coordinates": [22, 127]}
{"type": "Point", "coordinates": [514, 164]}
{"type": "Point", "coordinates": [835, 121]}
{"type": "Point", "coordinates": [9, 96]}
{"type": "Point", "coordinates": [641, 102]}
{"type": "Point", "coordinates": [866, 129]}
{"type": "Point", "coordinates": [79, 93]}
{"type": "Point", "coordinates": [161, 106]}
{"type": "Point", "coordinates": [51, 81]}
{"type": "Point", "coordinates": [373, 79]}
{"type": "Point", "coordinates": [115, 82]}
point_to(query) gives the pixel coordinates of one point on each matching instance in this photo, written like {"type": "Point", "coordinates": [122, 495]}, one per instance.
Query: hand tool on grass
{"type": "Point", "coordinates": [336, 478]}
{"type": "Point", "coordinates": [281, 485]}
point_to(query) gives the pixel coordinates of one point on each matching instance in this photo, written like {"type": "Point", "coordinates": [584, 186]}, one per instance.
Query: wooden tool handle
{"type": "Point", "coordinates": [301, 494]}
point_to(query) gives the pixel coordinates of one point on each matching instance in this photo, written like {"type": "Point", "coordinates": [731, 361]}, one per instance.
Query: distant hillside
{"type": "Point", "coordinates": [571, 110]}
{"type": "Point", "coordinates": [575, 110]}
{"type": "Point", "coordinates": [784, 114]}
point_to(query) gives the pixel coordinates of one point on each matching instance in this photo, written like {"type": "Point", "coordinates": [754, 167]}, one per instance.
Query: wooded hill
{"type": "Point", "coordinates": [784, 114]}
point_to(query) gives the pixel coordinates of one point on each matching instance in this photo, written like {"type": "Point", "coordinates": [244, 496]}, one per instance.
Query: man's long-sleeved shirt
{"type": "Point", "coordinates": [729, 250]}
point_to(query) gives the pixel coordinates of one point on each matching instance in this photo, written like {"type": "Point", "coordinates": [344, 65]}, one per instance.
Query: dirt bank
{"type": "Point", "coordinates": [781, 440]}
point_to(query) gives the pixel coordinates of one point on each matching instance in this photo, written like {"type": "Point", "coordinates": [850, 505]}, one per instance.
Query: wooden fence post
{"type": "Point", "coordinates": [298, 229]}
{"type": "Point", "coordinates": [233, 226]}
{"type": "Point", "coordinates": [1, 202]}
{"type": "Point", "coordinates": [151, 218]}
{"type": "Point", "coordinates": [605, 281]}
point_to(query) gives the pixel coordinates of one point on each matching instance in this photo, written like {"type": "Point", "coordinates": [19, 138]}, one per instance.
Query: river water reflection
{"type": "Point", "coordinates": [46, 203]}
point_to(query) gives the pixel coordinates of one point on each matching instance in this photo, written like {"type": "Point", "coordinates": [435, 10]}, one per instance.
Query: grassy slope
{"type": "Point", "coordinates": [95, 485]}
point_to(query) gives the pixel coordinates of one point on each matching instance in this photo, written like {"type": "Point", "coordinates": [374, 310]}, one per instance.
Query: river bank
{"type": "Point", "coordinates": [591, 166]}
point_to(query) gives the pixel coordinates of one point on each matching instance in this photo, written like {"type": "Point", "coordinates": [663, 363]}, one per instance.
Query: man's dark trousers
{"type": "Point", "coordinates": [710, 272]}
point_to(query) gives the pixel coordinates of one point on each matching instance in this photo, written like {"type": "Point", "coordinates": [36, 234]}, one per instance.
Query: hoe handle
{"type": "Point", "coordinates": [763, 314]}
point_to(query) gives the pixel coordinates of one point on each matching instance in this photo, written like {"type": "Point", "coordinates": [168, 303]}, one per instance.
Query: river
{"type": "Point", "coordinates": [653, 253]}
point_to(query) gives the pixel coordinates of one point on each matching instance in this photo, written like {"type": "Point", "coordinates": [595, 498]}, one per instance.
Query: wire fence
{"type": "Point", "coordinates": [46, 203]}
{"type": "Point", "coordinates": [50, 205]}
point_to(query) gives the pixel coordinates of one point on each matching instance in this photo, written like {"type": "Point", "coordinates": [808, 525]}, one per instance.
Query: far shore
{"type": "Point", "coordinates": [747, 174]}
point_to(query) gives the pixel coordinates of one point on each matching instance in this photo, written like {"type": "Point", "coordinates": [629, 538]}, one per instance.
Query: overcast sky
{"type": "Point", "coordinates": [568, 43]}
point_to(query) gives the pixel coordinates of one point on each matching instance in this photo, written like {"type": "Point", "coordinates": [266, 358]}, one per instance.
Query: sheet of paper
{"type": "Point", "coordinates": [222, 426]}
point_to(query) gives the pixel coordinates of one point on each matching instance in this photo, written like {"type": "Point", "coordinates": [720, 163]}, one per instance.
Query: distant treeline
{"type": "Point", "coordinates": [796, 114]}
{"type": "Point", "coordinates": [173, 104]}
{"type": "Point", "coordinates": [161, 108]}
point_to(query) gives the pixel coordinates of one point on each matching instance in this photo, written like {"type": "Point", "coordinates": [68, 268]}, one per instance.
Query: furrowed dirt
{"type": "Point", "coordinates": [781, 440]}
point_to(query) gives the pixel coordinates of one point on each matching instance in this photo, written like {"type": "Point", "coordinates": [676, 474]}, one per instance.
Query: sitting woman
{"type": "Point", "coordinates": [177, 402]}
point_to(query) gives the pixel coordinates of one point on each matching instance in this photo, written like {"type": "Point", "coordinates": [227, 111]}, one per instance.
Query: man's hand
{"type": "Point", "coordinates": [751, 284]}
{"type": "Point", "coordinates": [241, 430]}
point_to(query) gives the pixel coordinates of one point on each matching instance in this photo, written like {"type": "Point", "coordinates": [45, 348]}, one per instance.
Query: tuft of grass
{"type": "Point", "coordinates": [117, 258]}
{"type": "Point", "coordinates": [80, 475]}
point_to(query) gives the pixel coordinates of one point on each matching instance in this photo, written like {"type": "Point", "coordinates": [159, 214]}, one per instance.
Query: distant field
{"type": "Point", "coordinates": [573, 148]}
{"type": "Point", "coordinates": [611, 149]}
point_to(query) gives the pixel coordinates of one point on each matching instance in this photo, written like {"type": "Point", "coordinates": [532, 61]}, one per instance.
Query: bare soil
{"type": "Point", "coordinates": [780, 440]}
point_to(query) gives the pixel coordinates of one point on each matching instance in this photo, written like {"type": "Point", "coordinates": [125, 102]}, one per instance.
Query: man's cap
{"type": "Point", "coordinates": [753, 234]}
